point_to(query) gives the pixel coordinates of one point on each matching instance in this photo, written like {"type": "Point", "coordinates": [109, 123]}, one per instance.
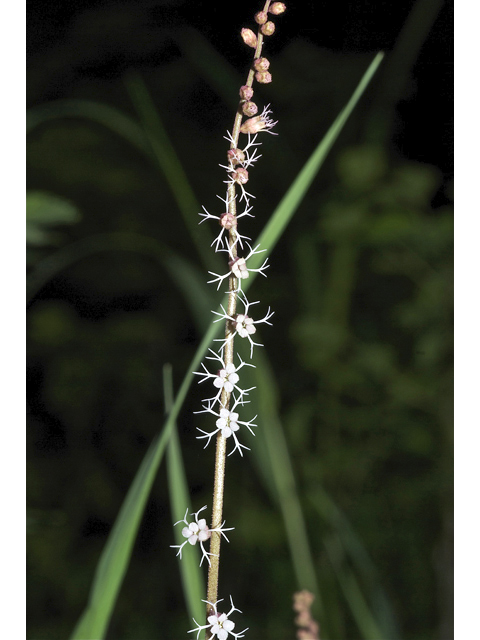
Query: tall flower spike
{"type": "Point", "coordinates": [219, 624]}
{"type": "Point", "coordinates": [198, 531]}
{"type": "Point", "coordinates": [225, 404]}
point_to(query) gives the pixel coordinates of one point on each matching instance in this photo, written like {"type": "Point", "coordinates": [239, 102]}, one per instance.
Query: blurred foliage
{"type": "Point", "coordinates": [360, 349]}
{"type": "Point", "coordinates": [45, 211]}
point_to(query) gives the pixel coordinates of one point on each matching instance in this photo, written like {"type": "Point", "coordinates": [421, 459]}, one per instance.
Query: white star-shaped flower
{"type": "Point", "coordinates": [219, 624]}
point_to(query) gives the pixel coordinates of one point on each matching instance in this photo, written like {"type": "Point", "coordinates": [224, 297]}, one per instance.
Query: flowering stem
{"type": "Point", "coordinates": [226, 379]}
{"type": "Point", "coordinates": [221, 447]}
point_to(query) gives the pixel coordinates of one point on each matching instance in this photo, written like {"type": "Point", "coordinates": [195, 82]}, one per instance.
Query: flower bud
{"type": "Point", "coordinates": [258, 123]}
{"type": "Point", "coordinates": [261, 64]}
{"type": "Point", "coordinates": [261, 17]}
{"type": "Point", "coordinates": [246, 92]}
{"type": "Point", "coordinates": [277, 8]}
{"type": "Point", "coordinates": [235, 156]}
{"type": "Point", "coordinates": [267, 29]}
{"type": "Point", "coordinates": [264, 77]}
{"type": "Point", "coordinates": [249, 37]}
{"type": "Point", "coordinates": [228, 220]}
{"type": "Point", "coordinates": [240, 176]}
{"type": "Point", "coordinates": [249, 108]}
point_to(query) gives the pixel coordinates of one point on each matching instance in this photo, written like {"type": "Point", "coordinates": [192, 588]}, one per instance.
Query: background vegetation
{"type": "Point", "coordinates": [357, 368]}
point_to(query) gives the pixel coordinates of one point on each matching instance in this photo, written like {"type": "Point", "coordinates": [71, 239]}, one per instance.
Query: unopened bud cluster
{"type": "Point", "coordinates": [229, 396]}
{"type": "Point", "coordinates": [260, 65]}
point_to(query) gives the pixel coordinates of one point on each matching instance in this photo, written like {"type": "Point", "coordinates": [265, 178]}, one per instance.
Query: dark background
{"type": "Point", "coordinates": [360, 284]}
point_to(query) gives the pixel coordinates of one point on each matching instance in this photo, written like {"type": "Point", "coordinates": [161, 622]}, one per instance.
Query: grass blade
{"type": "Point", "coordinates": [210, 64]}
{"type": "Point", "coordinates": [188, 278]}
{"type": "Point", "coordinates": [192, 578]}
{"type": "Point", "coordinates": [281, 477]}
{"type": "Point", "coordinates": [359, 560]}
{"type": "Point", "coordinates": [170, 166]}
{"type": "Point", "coordinates": [105, 115]}
{"type": "Point", "coordinates": [292, 199]}
{"type": "Point", "coordinates": [115, 557]}
{"type": "Point", "coordinates": [352, 592]}
{"type": "Point", "coordinates": [151, 139]}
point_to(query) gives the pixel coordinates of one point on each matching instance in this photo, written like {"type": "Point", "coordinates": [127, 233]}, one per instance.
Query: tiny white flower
{"type": "Point", "coordinates": [244, 325]}
{"type": "Point", "coordinates": [225, 378]}
{"type": "Point", "coordinates": [219, 624]}
{"type": "Point", "coordinates": [238, 266]}
{"type": "Point", "coordinates": [227, 424]}
{"type": "Point", "coordinates": [198, 531]}
{"type": "Point", "coordinates": [239, 269]}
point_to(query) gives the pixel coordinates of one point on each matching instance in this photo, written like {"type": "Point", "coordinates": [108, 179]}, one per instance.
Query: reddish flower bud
{"type": "Point", "coordinates": [252, 125]}
{"type": "Point", "coordinates": [264, 77]}
{"type": "Point", "coordinates": [261, 17]}
{"type": "Point", "coordinates": [246, 92]}
{"type": "Point", "coordinates": [258, 123]}
{"type": "Point", "coordinates": [228, 220]}
{"type": "Point", "coordinates": [261, 64]}
{"type": "Point", "coordinates": [240, 176]}
{"type": "Point", "coordinates": [249, 37]}
{"type": "Point", "coordinates": [249, 108]}
{"type": "Point", "coordinates": [236, 156]}
{"type": "Point", "coordinates": [268, 28]}
{"type": "Point", "coordinates": [277, 8]}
